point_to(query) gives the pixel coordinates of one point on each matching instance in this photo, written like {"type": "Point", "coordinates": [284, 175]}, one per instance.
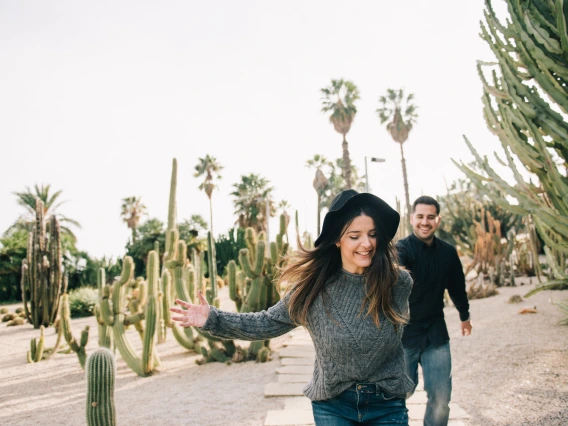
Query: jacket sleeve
{"type": "Point", "coordinates": [250, 326]}
{"type": "Point", "coordinates": [402, 253]}
{"type": "Point", "coordinates": [456, 286]}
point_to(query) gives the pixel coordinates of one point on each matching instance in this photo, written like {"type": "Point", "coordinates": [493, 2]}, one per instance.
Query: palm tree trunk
{"type": "Point", "coordinates": [406, 194]}
{"type": "Point", "coordinates": [211, 215]}
{"type": "Point", "coordinates": [346, 163]}
{"type": "Point", "coordinates": [319, 214]}
{"type": "Point", "coordinates": [133, 235]}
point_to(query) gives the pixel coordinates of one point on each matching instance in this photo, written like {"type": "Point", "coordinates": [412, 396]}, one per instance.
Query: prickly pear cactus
{"type": "Point", "coordinates": [100, 371]}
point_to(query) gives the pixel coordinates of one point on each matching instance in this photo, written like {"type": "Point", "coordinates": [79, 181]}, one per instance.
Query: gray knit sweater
{"type": "Point", "coordinates": [349, 347]}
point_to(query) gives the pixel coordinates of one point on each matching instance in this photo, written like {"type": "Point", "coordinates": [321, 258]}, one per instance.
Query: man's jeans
{"type": "Point", "coordinates": [436, 365]}
{"type": "Point", "coordinates": [361, 404]}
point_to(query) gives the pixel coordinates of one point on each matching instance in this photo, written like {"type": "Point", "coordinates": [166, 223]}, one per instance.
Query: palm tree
{"type": "Point", "coordinates": [51, 203]}
{"type": "Point", "coordinates": [401, 116]}
{"type": "Point", "coordinates": [251, 195]}
{"type": "Point", "coordinates": [132, 212]}
{"type": "Point", "coordinates": [321, 182]}
{"type": "Point", "coordinates": [339, 98]}
{"type": "Point", "coordinates": [210, 168]}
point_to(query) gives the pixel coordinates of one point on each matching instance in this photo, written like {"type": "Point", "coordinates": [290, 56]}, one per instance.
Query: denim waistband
{"type": "Point", "coordinates": [364, 388]}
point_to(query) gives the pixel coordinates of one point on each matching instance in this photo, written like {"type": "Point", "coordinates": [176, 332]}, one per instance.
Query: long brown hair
{"type": "Point", "coordinates": [310, 269]}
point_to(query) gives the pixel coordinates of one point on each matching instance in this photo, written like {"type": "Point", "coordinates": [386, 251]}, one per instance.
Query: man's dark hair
{"type": "Point", "coordinates": [426, 200]}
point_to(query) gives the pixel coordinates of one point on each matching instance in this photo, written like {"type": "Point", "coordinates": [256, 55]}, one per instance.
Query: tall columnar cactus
{"type": "Point", "coordinates": [521, 104]}
{"type": "Point", "coordinates": [254, 288]}
{"type": "Point", "coordinates": [100, 372]}
{"type": "Point", "coordinates": [65, 324]}
{"type": "Point", "coordinates": [143, 307]}
{"type": "Point", "coordinates": [42, 271]}
{"type": "Point", "coordinates": [105, 331]}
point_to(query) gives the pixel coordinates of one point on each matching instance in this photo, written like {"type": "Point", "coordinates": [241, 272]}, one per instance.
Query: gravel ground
{"type": "Point", "coordinates": [513, 369]}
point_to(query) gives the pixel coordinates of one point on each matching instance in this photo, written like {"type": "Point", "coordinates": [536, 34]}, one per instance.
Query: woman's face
{"type": "Point", "coordinates": [358, 245]}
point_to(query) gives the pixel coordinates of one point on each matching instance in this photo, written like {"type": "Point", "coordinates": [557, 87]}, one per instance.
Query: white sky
{"type": "Point", "coordinates": [96, 98]}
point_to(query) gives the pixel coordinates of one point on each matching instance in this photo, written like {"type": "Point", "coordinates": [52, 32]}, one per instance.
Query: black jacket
{"type": "Point", "coordinates": [434, 269]}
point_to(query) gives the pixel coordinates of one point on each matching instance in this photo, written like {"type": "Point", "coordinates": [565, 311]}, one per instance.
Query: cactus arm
{"type": "Point", "coordinates": [65, 323]}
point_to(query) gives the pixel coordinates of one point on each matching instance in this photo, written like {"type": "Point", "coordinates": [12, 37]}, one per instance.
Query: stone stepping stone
{"type": "Point", "coordinates": [296, 353]}
{"type": "Point", "coordinates": [416, 412]}
{"type": "Point", "coordinates": [283, 389]}
{"type": "Point", "coordinates": [298, 403]}
{"type": "Point", "coordinates": [419, 397]}
{"type": "Point", "coordinates": [294, 378]}
{"type": "Point", "coordinates": [457, 413]}
{"type": "Point", "coordinates": [289, 418]}
{"type": "Point", "coordinates": [295, 369]}
{"type": "Point", "coordinates": [299, 342]}
{"type": "Point", "coordinates": [298, 361]}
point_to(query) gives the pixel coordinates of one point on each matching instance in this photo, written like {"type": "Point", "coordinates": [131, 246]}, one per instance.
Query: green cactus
{"type": "Point", "coordinates": [42, 271]}
{"type": "Point", "coordinates": [35, 353]}
{"type": "Point", "coordinates": [65, 324]}
{"type": "Point", "coordinates": [142, 307]}
{"type": "Point", "coordinates": [254, 288]}
{"type": "Point", "coordinates": [105, 331]}
{"type": "Point", "coordinates": [521, 106]}
{"type": "Point", "coordinates": [100, 372]}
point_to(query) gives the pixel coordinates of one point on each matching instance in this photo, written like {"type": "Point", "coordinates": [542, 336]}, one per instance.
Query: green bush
{"type": "Point", "coordinates": [82, 302]}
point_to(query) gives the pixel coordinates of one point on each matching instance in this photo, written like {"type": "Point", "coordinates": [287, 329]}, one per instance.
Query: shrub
{"type": "Point", "coordinates": [82, 302]}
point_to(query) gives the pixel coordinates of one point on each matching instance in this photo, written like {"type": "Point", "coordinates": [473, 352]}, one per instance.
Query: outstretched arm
{"type": "Point", "coordinates": [230, 325]}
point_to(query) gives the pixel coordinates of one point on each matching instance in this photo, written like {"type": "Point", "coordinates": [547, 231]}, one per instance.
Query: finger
{"type": "Point", "coordinates": [202, 299]}
{"type": "Point", "coordinates": [183, 303]}
{"type": "Point", "coordinates": [180, 319]}
{"type": "Point", "coordinates": [178, 311]}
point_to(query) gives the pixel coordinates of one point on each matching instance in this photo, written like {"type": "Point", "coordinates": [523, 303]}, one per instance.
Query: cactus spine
{"type": "Point", "coordinates": [42, 271]}
{"type": "Point", "coordinates": [100, 372]}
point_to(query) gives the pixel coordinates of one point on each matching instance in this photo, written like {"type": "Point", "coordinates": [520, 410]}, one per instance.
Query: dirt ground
{"type": "Point", "coordinates": [513, 370]}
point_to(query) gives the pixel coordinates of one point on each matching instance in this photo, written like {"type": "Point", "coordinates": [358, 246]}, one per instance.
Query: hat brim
{"type": "Point", "coordinates": [389, 216]}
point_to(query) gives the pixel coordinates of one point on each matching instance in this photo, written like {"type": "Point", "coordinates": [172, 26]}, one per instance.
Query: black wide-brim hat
{"type": "Point", "coordinates": [389, 216]}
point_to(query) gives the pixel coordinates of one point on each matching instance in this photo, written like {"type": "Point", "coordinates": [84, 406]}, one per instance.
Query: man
{"type": "Point", "coordinates": [435, 267]}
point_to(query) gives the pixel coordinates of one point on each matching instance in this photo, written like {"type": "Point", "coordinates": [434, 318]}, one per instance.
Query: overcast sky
{"type": "Point", "coordinates": [96, 98]}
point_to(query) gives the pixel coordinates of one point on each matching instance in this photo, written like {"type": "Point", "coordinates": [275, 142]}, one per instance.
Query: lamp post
{"type": "Point", "coordinates": [375, 160]}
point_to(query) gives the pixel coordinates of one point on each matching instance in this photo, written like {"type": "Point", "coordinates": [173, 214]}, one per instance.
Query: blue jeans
{"type": "Point", "coordinates": [436, 363]}
{"type": "Point", "coordinates": [361, 404]}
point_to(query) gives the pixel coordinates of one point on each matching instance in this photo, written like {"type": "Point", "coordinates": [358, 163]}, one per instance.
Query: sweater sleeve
{"type": "Point", "coordinates": [456, 287]}
{"type": "Point", "coordinates": [250, 326]}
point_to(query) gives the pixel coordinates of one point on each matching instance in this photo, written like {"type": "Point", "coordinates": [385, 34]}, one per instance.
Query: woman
{"type": "Point", "coordinates": [352, 298]}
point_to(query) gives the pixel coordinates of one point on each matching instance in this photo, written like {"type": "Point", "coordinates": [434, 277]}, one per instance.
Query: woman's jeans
{"type": "Point", "coordinates": [361, 404]}
{"type": "Point", "coordinates": [436, 362]}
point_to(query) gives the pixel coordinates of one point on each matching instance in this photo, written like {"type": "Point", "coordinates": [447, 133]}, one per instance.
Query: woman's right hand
{"type": "Point", "coordinates": [194, 315]}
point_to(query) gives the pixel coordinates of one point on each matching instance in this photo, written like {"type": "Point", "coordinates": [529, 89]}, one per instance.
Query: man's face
{"type": "Point", "coordinates": [424, 222]}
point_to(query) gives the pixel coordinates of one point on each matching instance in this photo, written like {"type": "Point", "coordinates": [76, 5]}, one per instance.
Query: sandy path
{"type": "Point", "coordinates": [513, 369]}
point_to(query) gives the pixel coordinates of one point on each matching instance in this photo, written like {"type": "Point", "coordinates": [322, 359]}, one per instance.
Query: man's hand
{"type": "Point", "coordinates": [194, 315]}
{"type": "Point", "coordinates": [466, 327]}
